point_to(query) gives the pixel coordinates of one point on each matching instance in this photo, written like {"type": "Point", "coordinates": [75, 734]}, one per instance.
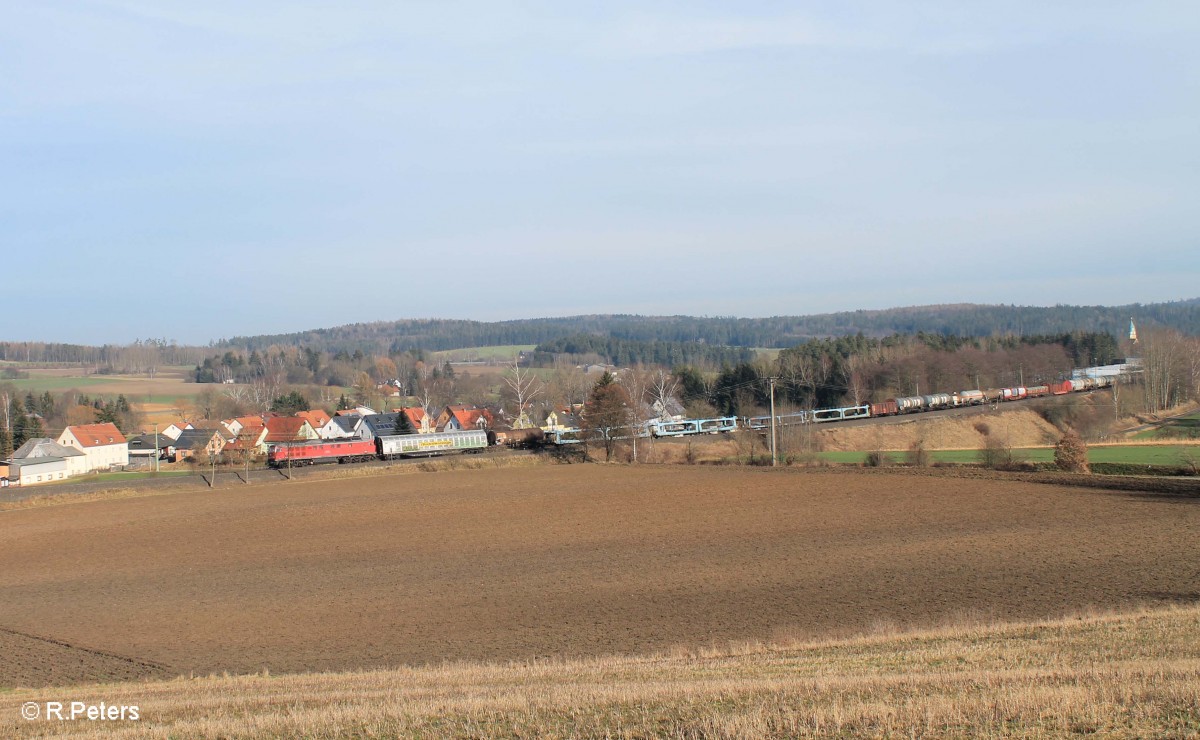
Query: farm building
{"type": "Point", "coordinates": [103, 445]}
{"type": "Point", "coordinates": [44, 448]}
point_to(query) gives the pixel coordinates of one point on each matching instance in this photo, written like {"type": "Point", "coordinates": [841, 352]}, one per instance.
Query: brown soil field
{"type": "Point", "coordinates": [561, 561]}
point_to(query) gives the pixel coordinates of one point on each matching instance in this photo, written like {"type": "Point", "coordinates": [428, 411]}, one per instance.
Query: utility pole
{"type": "Point", "coordinates": [156, 448]}
{"type": "Point", "coordinates": [774, 458]}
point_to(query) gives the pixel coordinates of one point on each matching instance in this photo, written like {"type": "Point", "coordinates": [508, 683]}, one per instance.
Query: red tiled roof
{"type": "Point", "coordinates": [317, 418]}
{"type": "Point", "coordinates": [97, 435]}
{"type": "Point", "coordinates": [284, 428]}
{"type": "Point", "coordinates": [468, 417]}
{"type": "Point", "coordinates": [414, 414]}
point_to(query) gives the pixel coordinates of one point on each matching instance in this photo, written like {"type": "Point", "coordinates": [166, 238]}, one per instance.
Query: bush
{"type": "Point", "coordinates": [996, 454]}
{"type": "Point", "coordinates": [1070, 454]}
{"type": "Point", "coordinates": [877, 459]}
{"type": "Point", "coordinates": [918, 456]}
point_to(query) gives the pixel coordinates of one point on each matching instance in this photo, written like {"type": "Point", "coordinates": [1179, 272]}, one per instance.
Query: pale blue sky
{"type": "Point", "coordinates": [202, 170]}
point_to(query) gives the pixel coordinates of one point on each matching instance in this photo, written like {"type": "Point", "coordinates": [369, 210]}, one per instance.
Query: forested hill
{"type": "Point", "coordinates": [776, 331]}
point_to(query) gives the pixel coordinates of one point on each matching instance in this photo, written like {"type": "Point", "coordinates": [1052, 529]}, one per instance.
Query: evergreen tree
{"type": "Point", "coordinates": [46, 405]}
{"type": "Point", "coordinates": [289, 403]}
{"type": "Point", "coordinates": [403, 424]}
{"type": "Point", "coordinates": [19, 433]}
{"type": "Point", "coordinates": [107, 414]}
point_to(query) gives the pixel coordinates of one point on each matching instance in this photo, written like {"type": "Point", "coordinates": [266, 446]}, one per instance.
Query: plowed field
{"type": "Point", "coordinates": [560, 560]}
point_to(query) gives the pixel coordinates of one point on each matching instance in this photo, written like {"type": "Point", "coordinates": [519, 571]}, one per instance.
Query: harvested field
{"type": "Point", "coordinates": [568, 561]}
{"type": "Point", "coordinates": [1037, 679]}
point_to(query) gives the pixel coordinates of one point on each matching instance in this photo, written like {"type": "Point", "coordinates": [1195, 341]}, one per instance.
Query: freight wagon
{"type": "Point", "coordinates": [415, 445]}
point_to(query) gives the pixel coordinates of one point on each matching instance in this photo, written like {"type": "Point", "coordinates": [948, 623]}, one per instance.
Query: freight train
{"type": "Point", "coordinates": [389, 447]}
{"type": "Point", "coordinates": [931, 402]}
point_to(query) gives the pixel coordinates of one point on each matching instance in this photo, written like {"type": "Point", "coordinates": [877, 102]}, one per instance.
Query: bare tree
{"type": "Point", "coordinates": [525, 386]}
{"type": "Point", "coordinates": [1162, 368]}
{"type": "Point", "coordinates": [664, 389]}
{"type": "Point", "coordinates": [856, 378]}
{"type": "Point", "coordinates": [637, 382]}
{"type": "Point", "coordinates": [569, 384]}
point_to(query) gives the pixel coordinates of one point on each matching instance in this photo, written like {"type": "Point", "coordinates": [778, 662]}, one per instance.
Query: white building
{"type": "Point", "coordinates": [103, 445]}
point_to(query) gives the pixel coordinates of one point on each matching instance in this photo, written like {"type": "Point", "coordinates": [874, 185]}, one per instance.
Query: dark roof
{"type": "Point", "coordinates": [381, 425]}
{"type": "Point", "coordinates": [347, 423]}
{"type": "Point", "coordinates": [146, 442]}
{"type": "Point", "coordinates": [194, 439]}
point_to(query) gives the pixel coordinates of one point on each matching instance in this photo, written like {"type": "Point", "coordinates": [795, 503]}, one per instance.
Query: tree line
{"type": "Point", "coordinates": [626, 352]}
{"type": "Point", "coordinates": [966, 320]}
{"type": "Point", "coordinates": [27, 416]}
{"type": "Point", "coordinates": [853, 370]}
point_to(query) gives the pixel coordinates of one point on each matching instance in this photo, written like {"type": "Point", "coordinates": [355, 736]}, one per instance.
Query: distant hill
{"type": "Point", "coordinates": [777, 331]}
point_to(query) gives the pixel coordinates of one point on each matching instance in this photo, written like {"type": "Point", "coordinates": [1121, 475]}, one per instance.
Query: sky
{"type": "Point", "coordinates": [194, 171]}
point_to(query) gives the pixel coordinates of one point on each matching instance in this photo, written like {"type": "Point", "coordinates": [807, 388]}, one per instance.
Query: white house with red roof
{"type": "Point", "coordinates": [316, 418]}
{"type": "Point", "coordinates": [102, 444]}
{"type": "Point", "coordinates": [464, 418]}
{"type": "Point", "coordinates": [421, 422]}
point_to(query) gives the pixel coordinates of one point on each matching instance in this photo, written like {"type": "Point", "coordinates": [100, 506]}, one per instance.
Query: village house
{"type": "Point", "coordinates": [456, 418]}
{"type": "Point", "coordinates": [144, 449]}
{"type": "Point", "coordinates": [340, 427]}
{"type": "Point", "coordinates": [42, 460]}
{"type": "Point", "coordinates": [316, 418]}
{"type": "Point", "coordinates": [280, 429]}
{"type": "Point", "coordinates": [420, 421]}
{"type": "Point", "coordinates": [203, 444]}
{"type": "Point", "coordinates": [377, 425]}
{"type": "Point", "coordinates": [236, 425]}
{"type": "Point", "coordinates": [173, 430]}
{"type": "Point", "coordinates": [103, 445]}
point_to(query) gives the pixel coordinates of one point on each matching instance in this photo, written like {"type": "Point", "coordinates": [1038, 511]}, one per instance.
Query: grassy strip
{"type": "Point", "coordinates": [502, 353]}
{"type": "Point", "coordinates": [135, 475]}
{"type": "Point", "coordinates": [1133, 675]}
{"type": "Point", "coordinates": [1186, 427]}
{"type": "Point", "coordinates": [1167, 455]}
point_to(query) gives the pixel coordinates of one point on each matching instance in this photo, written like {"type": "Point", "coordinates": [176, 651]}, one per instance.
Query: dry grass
{"type": "Point", "coordinates": [1117, 675]}
{"type": "Point", "coordinates": [59, 499]}
{"type": "Point", "coordinates": [1019, 427]}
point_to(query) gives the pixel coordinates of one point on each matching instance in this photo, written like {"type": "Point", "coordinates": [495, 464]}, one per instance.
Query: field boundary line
{"type": "Point", "coordinates": [141, 662]}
